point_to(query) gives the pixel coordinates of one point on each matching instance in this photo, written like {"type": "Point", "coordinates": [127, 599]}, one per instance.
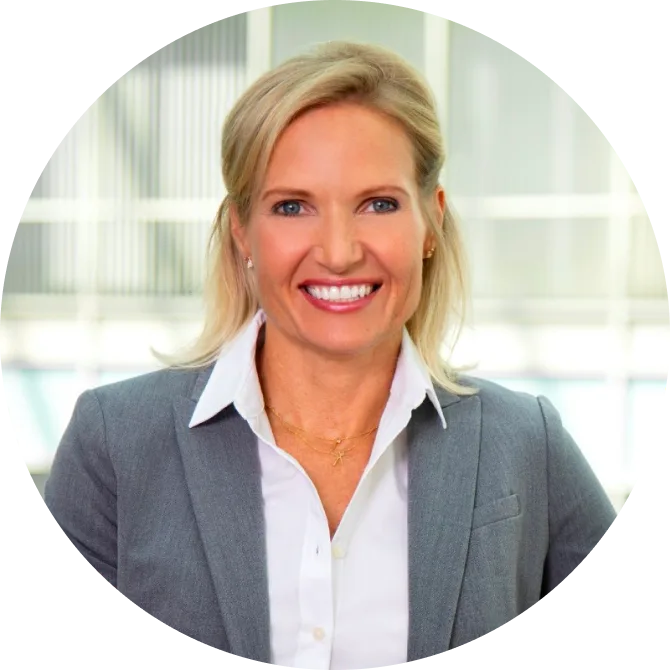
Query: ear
{"type": "Point", "coordinates": [440, 200]}
{"type": "Point", "coordinates": [439, 205]}
{"type": "Point", "coordinates": [238, 231]}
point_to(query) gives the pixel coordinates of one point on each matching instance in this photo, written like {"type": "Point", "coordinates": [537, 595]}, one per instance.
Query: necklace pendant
{"type": "Point", "coordinates": [339, 457]}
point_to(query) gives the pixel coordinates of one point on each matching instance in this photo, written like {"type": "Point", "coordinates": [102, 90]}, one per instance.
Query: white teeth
{"type": "Point", "coordinates": [340, 294]}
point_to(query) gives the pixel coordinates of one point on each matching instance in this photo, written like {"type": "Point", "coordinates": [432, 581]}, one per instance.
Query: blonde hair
{"type": "Point", "coordinates": [333, 72]}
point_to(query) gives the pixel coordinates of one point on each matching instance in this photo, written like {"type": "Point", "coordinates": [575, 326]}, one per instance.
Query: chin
{"type": "Point", "coordinates": [342, 342]}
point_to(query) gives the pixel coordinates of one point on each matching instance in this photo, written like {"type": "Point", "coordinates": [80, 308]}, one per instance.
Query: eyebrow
{"type": "Point", "coordinates": [300, 193]}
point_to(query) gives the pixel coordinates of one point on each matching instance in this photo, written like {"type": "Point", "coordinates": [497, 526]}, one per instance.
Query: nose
{"type": "Point", "coordinates": [339, 248]}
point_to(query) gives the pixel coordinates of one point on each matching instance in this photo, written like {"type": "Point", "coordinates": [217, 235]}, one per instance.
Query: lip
{"type": "Point", "coordinates": [340, 307]}
{"type": "Point", "coordinates": [340, 282]}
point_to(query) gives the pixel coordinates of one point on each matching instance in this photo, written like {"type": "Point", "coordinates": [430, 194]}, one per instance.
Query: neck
{"type": "Point", "coordinates": [332, 396]}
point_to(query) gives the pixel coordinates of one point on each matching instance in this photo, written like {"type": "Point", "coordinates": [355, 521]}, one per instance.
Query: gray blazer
{"type": "Point", "coordinates": [502, 507]}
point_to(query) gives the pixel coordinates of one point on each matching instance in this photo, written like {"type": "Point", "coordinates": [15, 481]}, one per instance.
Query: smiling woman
{"type": "Point", "coordinates": [311, 484]}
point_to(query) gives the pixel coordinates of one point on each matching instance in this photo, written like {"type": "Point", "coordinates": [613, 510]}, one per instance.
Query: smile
{"type": "Point", "coordinates": [348, 293]}
{"type": "Point", "coordinates": [340, 298]}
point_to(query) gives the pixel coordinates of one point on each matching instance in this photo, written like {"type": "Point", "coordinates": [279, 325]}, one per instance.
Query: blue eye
{"type": "Point", "coordinates": [383, 205]}
{"type": "Point", "coordinates": [287, 208]}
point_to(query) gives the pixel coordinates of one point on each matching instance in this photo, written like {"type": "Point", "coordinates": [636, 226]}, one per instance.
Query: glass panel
{"type": "Point", "coordinates": [40, 404]}
{"type": "Point", "coordinates": [298, 25]}
{"type": "Point", "coordinates": [516, 127]}
{"type": "Point", "coordinates": [538, 259]}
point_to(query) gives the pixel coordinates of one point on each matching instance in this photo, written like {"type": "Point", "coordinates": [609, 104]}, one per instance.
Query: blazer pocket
{"type": "Point", "coordinates": [496, 510]}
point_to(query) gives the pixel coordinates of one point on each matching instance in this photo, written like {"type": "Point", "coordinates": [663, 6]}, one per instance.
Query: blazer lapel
{"type": "Point", "coordinates": [223, 476]}
{"type": "Point", "coordinates": [441, 493]}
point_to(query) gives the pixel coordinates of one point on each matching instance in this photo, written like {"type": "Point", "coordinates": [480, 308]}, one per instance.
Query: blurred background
{"type": "Point", "coordinates": [569, 297]}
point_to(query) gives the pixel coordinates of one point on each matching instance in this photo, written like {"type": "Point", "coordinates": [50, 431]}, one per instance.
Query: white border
{"type": "Point", "coordinates": [565, 20]}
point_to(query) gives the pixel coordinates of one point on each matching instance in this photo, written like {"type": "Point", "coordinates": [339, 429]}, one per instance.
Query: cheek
{"type": "Point", "coordinates": [405, 294]}
{"type": "Point", "coordinates": [403, 239]}
{"type": "Point", "coordinates": [276, 251]}
{"type": "Point", "coordinates": [403, 259]}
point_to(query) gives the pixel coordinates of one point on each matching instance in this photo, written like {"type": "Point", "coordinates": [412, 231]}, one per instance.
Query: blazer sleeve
{"type": "Point", "coordinates": [579, 510]}
{"type": "Point", "coordinates": [81, 489]}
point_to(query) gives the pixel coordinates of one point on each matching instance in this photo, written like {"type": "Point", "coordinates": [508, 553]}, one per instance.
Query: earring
{"type": "Point", "coordinates": [430, 252]}
{"type": "Point", "coordinates": [250, 263]}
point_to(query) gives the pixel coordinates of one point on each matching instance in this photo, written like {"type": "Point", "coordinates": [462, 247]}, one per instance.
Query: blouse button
{"type": "Point", "coordinates": [319, 634]}
{"type": "Point", "coordinates": [338, 551]}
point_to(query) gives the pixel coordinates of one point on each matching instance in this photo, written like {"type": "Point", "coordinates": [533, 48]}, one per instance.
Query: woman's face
{"type": "Point", "coordinates": [336, 233]}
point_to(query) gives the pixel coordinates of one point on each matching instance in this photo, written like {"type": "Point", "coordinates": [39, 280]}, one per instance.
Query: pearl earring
{"type": "Point", "coordinates": [250, 263]}
{"type": "Point", "coordinates": [430, 252]}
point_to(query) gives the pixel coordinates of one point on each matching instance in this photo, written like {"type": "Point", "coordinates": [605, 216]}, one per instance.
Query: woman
{"type": "Point", "coordinates": [314, 487]}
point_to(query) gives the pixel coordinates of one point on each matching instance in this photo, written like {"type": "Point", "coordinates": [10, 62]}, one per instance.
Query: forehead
{"type": "Point", "coordinates": [342, 145]}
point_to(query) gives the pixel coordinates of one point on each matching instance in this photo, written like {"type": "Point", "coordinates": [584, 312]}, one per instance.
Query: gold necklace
{"type": "Point", "coordinates": [337, 451]}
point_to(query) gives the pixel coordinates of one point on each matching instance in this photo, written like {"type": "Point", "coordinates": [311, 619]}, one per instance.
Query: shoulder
{"type": "Point", "coordinates": [138, 403]}
{"type": "Point", "coordinates": [132, 417]}
{"type": "Point", "coordinates": [505, 405]}
{"type": "Point", "coordinates": [159, 387]}
{"type": "Point", "coordinates": [514, 413]}
{"type": "Point", "coordinates": [517, 422]}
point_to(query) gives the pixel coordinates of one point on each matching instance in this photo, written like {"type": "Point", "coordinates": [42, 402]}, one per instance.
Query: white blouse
{"type": "Point", "coordinates": [340, 604]}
